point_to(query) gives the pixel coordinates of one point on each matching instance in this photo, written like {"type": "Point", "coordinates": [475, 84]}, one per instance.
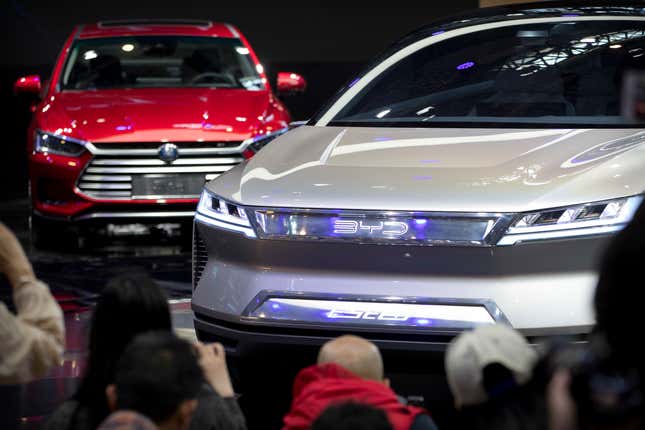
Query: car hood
{"type": "Point", "coordinates": [152, 115]}
{"type": "Point", "coordinates": [439, 169]}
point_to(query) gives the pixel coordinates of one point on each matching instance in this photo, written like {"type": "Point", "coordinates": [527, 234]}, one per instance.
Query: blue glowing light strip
{"type": "Point", "coordinates": [373, 313]}
{"type": "Point", "coordinates": [389, 227]}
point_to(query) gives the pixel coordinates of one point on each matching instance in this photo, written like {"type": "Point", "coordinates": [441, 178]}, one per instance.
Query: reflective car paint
{"type": "Point", "coordinates": [543, 286]}
{"type": "Point", "coordinates": [540, 292]}
{"type": "Point", "coordinates": [140, 115]}
{"type": "Point", "coordinates": [439, 169]}
{"type": "Point", "coordinates": [189, 114]}
{"type": "Point", "coordinates": [151, 28]}
{"type": "Point", "coordinates": [28, 85]}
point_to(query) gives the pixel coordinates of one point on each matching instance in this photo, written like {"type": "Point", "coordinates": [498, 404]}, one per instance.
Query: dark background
{"type": "Point", "coordinates": [326, 41]}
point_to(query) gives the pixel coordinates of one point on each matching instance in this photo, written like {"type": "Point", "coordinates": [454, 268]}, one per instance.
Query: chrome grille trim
{"type": "Point", "coordinates": [109, 195]}
{"type": "Point", "coordinates": [153, 152]}
{"type": "Point", "coordinates": [169, 169]}
{"type": "Point", "coordinates": [113, 178]}
{"type": "Point", "coordinates": [104, 186]}
{"type": "Point", "coordinates": [178, 162]}
{"type": "Point", "coordinates": [111, 173]}
{"type": "Point", "coordinates": [134, 214]}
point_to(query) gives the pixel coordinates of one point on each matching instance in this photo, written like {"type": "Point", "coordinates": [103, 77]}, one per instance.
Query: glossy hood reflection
{"type": "Point", "coordinates": [480, 170]}
{"type": "Point", "coordinates": [149, 115]}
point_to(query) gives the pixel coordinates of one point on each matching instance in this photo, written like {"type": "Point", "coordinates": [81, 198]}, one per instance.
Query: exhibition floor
{"type": "Point", "coordinates": [76, 279]}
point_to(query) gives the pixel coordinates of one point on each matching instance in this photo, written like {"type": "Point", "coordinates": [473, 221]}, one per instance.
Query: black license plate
{"type": "Point", "coordinates": [167, 185]}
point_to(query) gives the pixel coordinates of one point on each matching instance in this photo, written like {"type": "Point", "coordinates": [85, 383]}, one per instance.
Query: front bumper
{"type": "Point", "coordinates": [56, 197]}
{"type": "Point", "coordinates": [542, 288]}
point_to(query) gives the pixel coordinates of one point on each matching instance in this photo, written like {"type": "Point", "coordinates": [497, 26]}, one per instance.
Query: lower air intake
{"type": "Point", "coordinates": [200, 257]}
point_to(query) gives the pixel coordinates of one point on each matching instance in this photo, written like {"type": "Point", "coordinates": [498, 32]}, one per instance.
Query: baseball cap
{"type": "Point", "coordinates": [469, 353]}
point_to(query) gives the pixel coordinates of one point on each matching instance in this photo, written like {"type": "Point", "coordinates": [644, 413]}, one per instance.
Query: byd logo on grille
{"type": "Point", "coordinates": [374, 228]}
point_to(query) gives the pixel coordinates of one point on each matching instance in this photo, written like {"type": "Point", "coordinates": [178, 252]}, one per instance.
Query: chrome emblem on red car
{"type": "Point", "coordinates": [168, 152]}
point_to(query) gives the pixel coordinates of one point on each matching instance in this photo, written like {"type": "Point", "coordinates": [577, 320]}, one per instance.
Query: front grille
{"type": "Point", "coordinates": [125, 172]}
{"type": "Point", "coordinates": [116, 146]}
{"type": "Point", "coordinates": [200, 257]}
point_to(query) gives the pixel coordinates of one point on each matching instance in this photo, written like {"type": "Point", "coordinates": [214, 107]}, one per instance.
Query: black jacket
{"type": "Point", "coordinates": [213, 413]}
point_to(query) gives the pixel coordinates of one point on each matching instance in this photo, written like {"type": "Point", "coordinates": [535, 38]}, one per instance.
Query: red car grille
{"type": "Point", "coordinates": [124, 172]}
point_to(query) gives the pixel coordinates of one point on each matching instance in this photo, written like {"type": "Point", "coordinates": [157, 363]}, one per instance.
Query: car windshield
{"type": "Point", "coordinates": [564, 72]}
{"type": "Point", "coordinates": [160, 61]}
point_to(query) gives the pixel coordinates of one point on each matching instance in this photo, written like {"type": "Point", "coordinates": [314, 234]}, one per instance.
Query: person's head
{"type": "Point", "coordinates": [486, 363]}
{"type": "Point", "coordinates": [619, 296]}
{"type": "Point", "coordinates": [158, 376]}
{"type": "Point", "coordinates": [130, 304]}
{"type": "Point", "coordinates": [352, 416]}
{"type": "Point", "coordinates": [355, 354]}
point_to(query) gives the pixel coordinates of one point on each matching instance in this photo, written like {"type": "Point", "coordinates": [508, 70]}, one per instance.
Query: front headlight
{"type": "Point", "coordinates": [219, 213]}
{"type": "Point", "coordinates": [49, 143]}
{"type": "Point", "coordinates": [580, 220]}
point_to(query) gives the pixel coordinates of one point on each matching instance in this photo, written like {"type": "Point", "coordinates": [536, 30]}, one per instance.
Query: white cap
{"type": "Point", "coordinates": [470, 352]}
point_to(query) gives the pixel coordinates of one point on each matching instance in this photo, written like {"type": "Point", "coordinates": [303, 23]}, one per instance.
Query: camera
{"type": "Point", "coordinates": [606, 394]}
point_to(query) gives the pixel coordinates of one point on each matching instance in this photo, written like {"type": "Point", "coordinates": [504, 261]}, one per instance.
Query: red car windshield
{"type": "Point", "coordinates": [160, 61]}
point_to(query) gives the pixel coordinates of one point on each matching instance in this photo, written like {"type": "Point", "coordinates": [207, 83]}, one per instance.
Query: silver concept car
{"type": "Point", "coordinates": [472, 174]}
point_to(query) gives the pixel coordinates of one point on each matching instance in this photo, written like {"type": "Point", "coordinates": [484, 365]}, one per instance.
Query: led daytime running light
{"type": "Point", "coordinates": [592, 214]}
{"type": "Point", "coordinates": [222, 214]}
{"type": "Point", "coordinates": [589, 219]}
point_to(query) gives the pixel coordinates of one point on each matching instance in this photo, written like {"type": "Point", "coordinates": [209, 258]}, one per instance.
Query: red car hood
{"type": "Point", "coordinates": [149, 115]}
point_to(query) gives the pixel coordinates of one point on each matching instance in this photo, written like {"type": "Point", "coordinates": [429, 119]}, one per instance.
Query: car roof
{"type": "Point", "coordinates": [157, 27]}
{"type": "Point", "coordinates": [543, 9]}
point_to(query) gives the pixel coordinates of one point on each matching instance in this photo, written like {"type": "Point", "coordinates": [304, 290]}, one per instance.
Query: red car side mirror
{"type": "Point", "coordinates": [289, 83]}
{"type": "Point", "coordinates": [27, 85]}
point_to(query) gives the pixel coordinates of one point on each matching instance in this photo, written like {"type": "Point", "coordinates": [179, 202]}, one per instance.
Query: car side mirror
{"type": "Point", "coordinates": [27, 85]}
{"type": "Point", "coordinates": [291, 83]}
{"type": "Point", "coordinates": [296, 124]}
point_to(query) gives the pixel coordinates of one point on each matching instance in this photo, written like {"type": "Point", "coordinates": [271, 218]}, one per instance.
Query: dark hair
{"type": "Point", "coordinates": [510, 406]}
{"type": "Point", "coordinates": [129, 305]}
{"type": "Point", "coordinates": [352, 416]}
{"type": "Point", "coordinates": [156, 373]}
{"type": "Point", "coordinates": [619, 292]}
{"type": "Point", "coordinates": [498, 380]}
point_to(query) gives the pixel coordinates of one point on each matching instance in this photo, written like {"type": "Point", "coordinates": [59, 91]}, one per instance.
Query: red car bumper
{"type": "Point", "coordinates": [55, 194]}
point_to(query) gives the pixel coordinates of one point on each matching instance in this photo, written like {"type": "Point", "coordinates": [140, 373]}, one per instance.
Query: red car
{"type": "Point", "coordinates": [138, 115]}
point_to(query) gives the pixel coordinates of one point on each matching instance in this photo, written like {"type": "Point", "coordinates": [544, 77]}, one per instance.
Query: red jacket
{"type": "Point", "coordinates": [318, 386]}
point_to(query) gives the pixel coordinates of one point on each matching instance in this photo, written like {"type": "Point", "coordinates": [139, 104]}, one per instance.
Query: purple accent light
{"type": "Point", "coordinates": [466, 65]}
{"type": "Point", "coordinates": [379, 227]}
{"type": "Point", "coordinates": [373, 313]}
{"type": "Point", "coordinates": [436, 33]}
{"type": "Point", "coordinates": [351, 84]}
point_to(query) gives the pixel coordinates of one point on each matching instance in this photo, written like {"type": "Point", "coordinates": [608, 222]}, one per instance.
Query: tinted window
{"type": "Point", "coordinates": [564, 72]}
{"type": "Point", "coordinates": [160, 61]}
